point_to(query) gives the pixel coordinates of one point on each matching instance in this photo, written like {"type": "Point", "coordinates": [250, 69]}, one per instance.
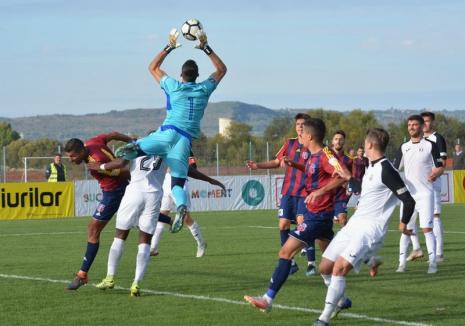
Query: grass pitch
{"type": "Point", "coordinates": [38, 258]}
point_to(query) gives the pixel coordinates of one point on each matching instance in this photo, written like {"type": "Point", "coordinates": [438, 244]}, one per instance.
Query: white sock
{"type": "Point", "coordinates": [157, 236]}
{"type": "Point", "coordinates": [143, 255]}
{"type": "Point", "coordinates": [195, 231]}
{"type": "Point", "coordinates": [415, 240]}
{"type": "Point", "coordinates": [431, 247]}
{"type": "Point", "coordinates": [403, 248]}
{"type": "Point", "coordinates": [114, 256]}
{"type": "Point", "coordinates": [326, 279]}
{"type": "Point", "coordinates": [333, 295]}
{"type": "Point", "coordinates": [438, 233]}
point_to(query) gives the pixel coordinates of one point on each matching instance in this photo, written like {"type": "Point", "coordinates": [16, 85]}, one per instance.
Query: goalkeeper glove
{"type": "Point", "coordinates": [203, 43]}
{"type": "Point", "coordinates": [172, 41]}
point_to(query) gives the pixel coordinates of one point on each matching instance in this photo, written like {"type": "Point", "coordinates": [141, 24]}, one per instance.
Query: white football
{"type": "Point", "coordinates": [189, 29]}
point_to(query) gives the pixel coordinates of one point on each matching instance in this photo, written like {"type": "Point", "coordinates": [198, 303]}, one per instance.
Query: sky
{"type": "Point", "coordinates": [87, 56]}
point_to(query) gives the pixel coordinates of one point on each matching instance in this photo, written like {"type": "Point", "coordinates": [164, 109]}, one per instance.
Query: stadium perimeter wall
{"type": "Point", "coordinates": [66, 199]}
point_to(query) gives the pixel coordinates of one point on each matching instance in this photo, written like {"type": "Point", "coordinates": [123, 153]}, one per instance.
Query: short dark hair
{"type": "Point", "coordinates": [190, 71]}
{"type": "Point", "coordinates": [379, 138]}
{"type": "Point", "coordinates": [428, 114]}
{"type": "Point", "coordinates": [416, 117]}
{"type": "Point", "coordinates": [74, 145]}
{"type": "Point", "coordinates": [299, 116]}
{"type": "Point", "coordinates": [361, 147]}
{"type": "Point", "coordinates": [340, 132]}
{"type": "Point", "coordinates": [316, 127]}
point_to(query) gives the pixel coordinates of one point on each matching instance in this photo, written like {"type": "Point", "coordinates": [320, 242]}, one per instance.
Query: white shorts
{"type": "Point", "coordinates": [167, 202]}
{"type": "Point", "coordinates": [355, 243]}
{"type": "Point", "coordinates": [437, 196]}
{"type": "Point", "coordinates": [139, 209]}
{"type": "Point", "coordinates": [424, 208]}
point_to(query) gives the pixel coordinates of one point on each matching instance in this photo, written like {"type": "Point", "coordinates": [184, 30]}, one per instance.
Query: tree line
{"type": "Point", "coordinates": [239, 144]}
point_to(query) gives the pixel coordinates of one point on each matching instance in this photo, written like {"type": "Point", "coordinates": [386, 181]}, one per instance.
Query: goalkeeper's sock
{"type": "Point", "coordinates": [180, 196]}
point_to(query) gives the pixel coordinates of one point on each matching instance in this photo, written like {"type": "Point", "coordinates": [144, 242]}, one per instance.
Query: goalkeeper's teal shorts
{"type": "Point", "coordinates": [173, 145]}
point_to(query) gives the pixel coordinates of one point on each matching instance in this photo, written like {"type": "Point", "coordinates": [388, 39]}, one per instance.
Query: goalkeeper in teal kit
{"type": "Point", "coordinates": [186, 103]}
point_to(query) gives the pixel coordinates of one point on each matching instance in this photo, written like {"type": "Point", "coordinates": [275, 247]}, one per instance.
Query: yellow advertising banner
{"type": "Point", "coordinates": [36, 200]}
{"type": "Point", "coordinates": [459, 186]}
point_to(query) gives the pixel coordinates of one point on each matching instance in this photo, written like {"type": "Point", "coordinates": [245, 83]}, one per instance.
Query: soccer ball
{"type": "Point", "coordinates": [190, 28]}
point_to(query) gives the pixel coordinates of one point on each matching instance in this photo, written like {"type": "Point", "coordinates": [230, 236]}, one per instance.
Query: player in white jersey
{"type": "Point", "coordinates": [168, 205]}
{"type": "Point", "coordinates": [422, 166]}
{"type": "Point", "coordinates": [435, 137]}
{"type": "Point", "coordinates": [363, 235]}
{"type": "Point", "coordinates": [140, 208]}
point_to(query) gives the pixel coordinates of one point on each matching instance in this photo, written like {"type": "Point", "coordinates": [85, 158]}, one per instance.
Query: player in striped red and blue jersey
{"type": "Point", "coordinates": [342, 197]}
{"type": "Point", "coordinates": [293, 188]}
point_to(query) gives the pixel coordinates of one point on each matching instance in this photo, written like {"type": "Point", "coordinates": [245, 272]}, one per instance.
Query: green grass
{"type": "Point", "coordinates": [240, 260]}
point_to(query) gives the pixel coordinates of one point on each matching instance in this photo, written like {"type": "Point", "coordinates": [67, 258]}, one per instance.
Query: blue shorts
{"type": "Point", "coordinates": [108, 206]}
{"type": "Point", "coordinates": [171, 146]}
{"type": "Point", "coordinates": [288, 207]}
{"type": "Point", "coordinates": [340, 207]}
{"type": "Point", "coordinates": [315, 226]}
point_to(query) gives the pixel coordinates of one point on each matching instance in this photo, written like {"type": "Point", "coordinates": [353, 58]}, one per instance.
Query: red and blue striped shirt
{"type": "Point", "coordinates": [319, 170]}
{"type": "Point", "coordinates": [294, 179]}
{"type": "Point", "coordinates": [341, 193]}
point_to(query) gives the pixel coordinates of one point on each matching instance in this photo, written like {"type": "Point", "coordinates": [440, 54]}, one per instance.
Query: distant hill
{"type": "Point", "coordinates": [139, 121]}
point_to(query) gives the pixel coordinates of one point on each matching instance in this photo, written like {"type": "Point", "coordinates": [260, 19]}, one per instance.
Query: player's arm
{"type": "Point", "coordinates": [399, 159]}
{"type": "Point", "coordinates": [118, 136]}
{"type": "Point", "coordinates": [215, 59]}
{"type": "Point", "coordinates": [273, 164]}
{"type": "Point", "coordinates": [196, 174]}
{"type": "Point", "coordinates": [391, 178]}
{"type": "Point", "coordinates": [115, 164]}
{"type": "Point", "coordinates": [354, 185]}
{"type": "Point", "coordinates": [438, 166]}
{"type": "Point", "coordinates": [287, 161]}
{"type": "Point", "coordinates": [442, 147]}
{"type": "Point", "coordinates": [155, 65]}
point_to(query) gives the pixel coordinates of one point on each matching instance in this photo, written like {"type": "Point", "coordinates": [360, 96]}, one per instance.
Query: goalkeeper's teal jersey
{"type": "Point", "coordinates": [186, 103]}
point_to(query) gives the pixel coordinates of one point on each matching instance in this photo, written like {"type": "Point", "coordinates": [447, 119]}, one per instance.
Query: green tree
{"type": "Point", "coordinates": [7, 134]}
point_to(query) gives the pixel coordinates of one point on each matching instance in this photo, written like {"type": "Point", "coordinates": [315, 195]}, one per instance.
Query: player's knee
{"type": "Point", "coordinates": [325, 267]}
{"type": "Point", "coordinates": [284, 224]}
{"type": "Point", "coordinates": [177, 182]}
{"type": "Point", "coordinates": [121, 234]}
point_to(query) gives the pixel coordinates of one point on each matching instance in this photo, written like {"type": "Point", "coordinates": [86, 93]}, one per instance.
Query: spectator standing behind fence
{"type": "Point", "coordinates": [459, 158]}
{"type": "Point", "coordinates": [56, 171]}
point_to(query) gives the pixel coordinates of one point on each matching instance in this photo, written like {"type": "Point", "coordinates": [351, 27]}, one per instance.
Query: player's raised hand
{"type": "Point", "coordinates": [173, 39]}
{"type": "Point", "coordinates": [251, 165]}
{"type": "Point", "coordinates": [203, 40]}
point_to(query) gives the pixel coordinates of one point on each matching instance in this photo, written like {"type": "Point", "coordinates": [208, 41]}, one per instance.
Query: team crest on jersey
{"type": "Point", "coordinates": [100, 208]}
{"type": "Point", "coordinates": [305, 155]}
{"type": "Point", "coordinates": [301, 227]}
{"type": "Point", "coordinates": [312, 168]}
